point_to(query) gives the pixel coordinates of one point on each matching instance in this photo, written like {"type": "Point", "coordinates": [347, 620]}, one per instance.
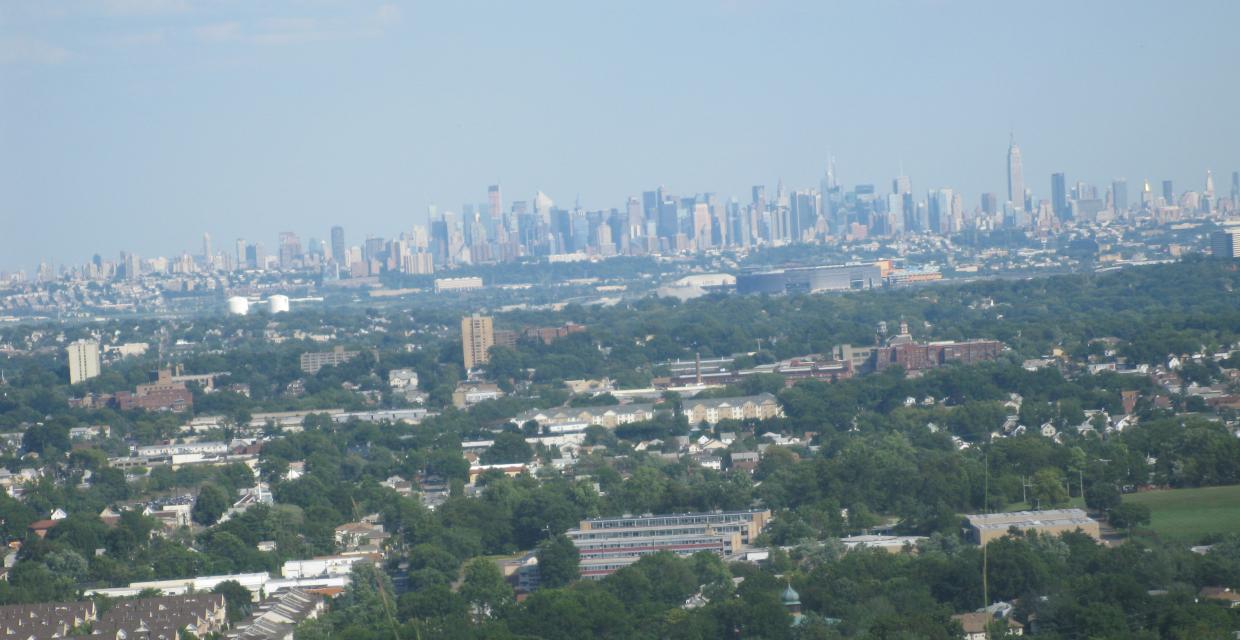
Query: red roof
{"type": "Point", "coordinates": [43, 524]}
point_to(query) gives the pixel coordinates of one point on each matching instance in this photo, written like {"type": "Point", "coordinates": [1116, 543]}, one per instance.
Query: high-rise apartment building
{"type": "Point", "coordinates": [1225, 243]}
{"type": "Point", "coordinates": [477, 338]}
{"type": "Point", "coordinates": [1016, 176]}
{"type": "Point", "coordinates": [83, 360]}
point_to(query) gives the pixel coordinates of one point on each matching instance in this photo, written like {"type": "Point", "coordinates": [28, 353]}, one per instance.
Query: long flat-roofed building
{"type": "Point", "coordinates": [312, 361]}
{"type": "Point", "coordinates": [984, 528]}
{"type": "Point", "coordinates": [836, 277]}
{"type": "Point", "coordinates": [607, 545]}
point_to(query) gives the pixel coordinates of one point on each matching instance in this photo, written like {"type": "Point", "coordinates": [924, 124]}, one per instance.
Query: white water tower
{"type": "Point", "coordinates": [277, 304]}
{"type": "Point", "coordinates": [238, 306]}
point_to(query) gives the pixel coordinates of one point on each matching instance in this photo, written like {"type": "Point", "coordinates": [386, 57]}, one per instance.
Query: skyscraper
{"type": "Point", "coordinates": [939, 204]}
{"type": "Point", "coordinates": [1235, 189]}
{"type": "Point", "coordinates": [1168, 192]}
{"type": "Point", "coordinates": [495, 202]}
{"type": "Point", "coordinates": [1119, 194]}
{"type": "Point", "coordinates": [990, 204]}
{"type": "Point", "coordinates": [1016, 177]}
{"type": "Point", "coordinates": [290, 249]}
{"type": "Point", "coordinates": [240, 264]}
{"type": "Point", "coordinates": [83, 360]}
{"type": "Point", "coordinates": [1059, 196]}
{"type": "Point", "coordinates": [477, 338]}
{"type": "Point", "coordinates": [338, 246]}
{"type": "Point", "coordinates": [206, 249]}
{"type": "Point", "coordinates": [759, 198]}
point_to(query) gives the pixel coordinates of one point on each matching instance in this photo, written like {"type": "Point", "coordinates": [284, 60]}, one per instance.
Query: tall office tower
{"type": "Point", "coordinates": [635, 217]}
{"type": "Point", "coordinates": [803, 215]}
{"type": "Point", "coordinates": [759, 198]}
{"type": "Point", "coordinates": [339, 248]}
{"type": "Point", "coordinates": [1225, 243]}
{"type": "Point", "coordinates": [957, 219]}
{"type": "Point", "coordinates": [542, 207]}
{"type": "Point", "coordinates": [701, 229]}
{"type": "Point", "coordinates": [1147, 196]}
{"type": "Point", "coordinates": [1016, 178]}
{"type": "Point", "coordinates": [1235, 190]}
{"type": "Point", "coordinates": [738, 230]}
{"type": "Point", "coordinates": [895, 213]}
{"type": "Point", "coordinates": [650, 206]}
{"type": "Point", "coordinates": [132, 265]}
{"type": "Point", "coordinates": [239, 265]}
{"type": "Point", "coordinates": [1209, 192]}
{"type": "Point", "coordinates": [990, 204]}
{"type": "Point", "coordinates": [1059, 196]}
{"type": "Point", "coordinates": [83, 360]}
{"type": "Point", "coordinates": [290, 249]}
{"type": "Point", "coordinates": [477, 338]}
{"type": "Point", "coordinates": [1168, 192]}
{"type": "Point", "coordinates": [1119, 194]}
{"type": "Point", "coordinates": [938, 209]}
{"type": "Point", "coordinates": [206, 249]}
{"type": "Point", "coordinates": [495, 202]}
{"type": "Point", "coordinates": [901, 185]}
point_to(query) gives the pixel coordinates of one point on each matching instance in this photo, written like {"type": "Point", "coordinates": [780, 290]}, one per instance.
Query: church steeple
{"type": "Point", "coordinates": [792, 602]}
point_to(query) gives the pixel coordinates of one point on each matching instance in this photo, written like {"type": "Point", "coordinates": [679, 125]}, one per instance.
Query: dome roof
{"type": "Point", "coordinates": [790, 596]}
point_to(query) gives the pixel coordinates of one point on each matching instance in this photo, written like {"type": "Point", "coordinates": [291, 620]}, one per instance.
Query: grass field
{"type": "Point", "coordinates": [1189, 514]}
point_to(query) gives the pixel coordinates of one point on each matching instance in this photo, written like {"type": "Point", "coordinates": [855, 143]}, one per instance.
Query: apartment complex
{"type": "Point", "coordinates": [712, 410]}
{"type": "Point", "coordinates": [571, 419]}
{"type": "Point", "coordinates": [312, 361]}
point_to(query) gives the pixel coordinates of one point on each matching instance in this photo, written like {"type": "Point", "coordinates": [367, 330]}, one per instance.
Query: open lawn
{"type": "Point", "coordinates": [1190, 514]}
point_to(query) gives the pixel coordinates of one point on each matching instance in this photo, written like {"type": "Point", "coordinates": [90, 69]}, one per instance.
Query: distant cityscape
{"type": "Point", "coordinates": [931, 232]}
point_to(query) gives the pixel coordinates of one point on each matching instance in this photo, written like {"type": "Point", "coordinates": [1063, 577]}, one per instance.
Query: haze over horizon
{"type": "Point", "coordinates": [140, 124]}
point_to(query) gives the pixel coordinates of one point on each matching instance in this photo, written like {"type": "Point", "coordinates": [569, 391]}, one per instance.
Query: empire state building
{"type": "Point", "coordinates": [1016, 178]}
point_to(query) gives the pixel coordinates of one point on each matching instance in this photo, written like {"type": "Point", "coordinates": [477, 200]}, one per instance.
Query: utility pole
{"type": "Point", "coordinates": [985, 556]}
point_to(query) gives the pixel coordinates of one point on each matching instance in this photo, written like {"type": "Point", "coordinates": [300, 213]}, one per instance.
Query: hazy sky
{"type": "Point", "coordinates": [140, 124]}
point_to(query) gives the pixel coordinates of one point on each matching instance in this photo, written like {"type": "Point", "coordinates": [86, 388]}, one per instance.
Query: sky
{"type": "Point", "coordinates": [141, 124]}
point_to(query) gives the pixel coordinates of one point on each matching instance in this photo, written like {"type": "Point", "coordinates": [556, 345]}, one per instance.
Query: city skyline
{"type": "Point", "coordinates": [933, 201]}
{"type": "Point", "coordinates": [246, 120]}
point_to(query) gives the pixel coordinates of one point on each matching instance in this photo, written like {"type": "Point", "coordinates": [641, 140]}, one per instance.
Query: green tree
{"type": "Point", "coordinates": [1102, 496]}
{"type": "Point", "coordinates": [1048, 489]}
{"type": "Point", "coordinates": [211, 503]}
{"type": "Point", "coordinates": [558, 562]}
{"type": "Point", "coordinates": [238, 600]}
{"type": "Point", "coordinates": [509, 448]}
{"type": "Point", "coordinates": [1129, 515]}
{"type": "Point", "coordinates": [484, 588]}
